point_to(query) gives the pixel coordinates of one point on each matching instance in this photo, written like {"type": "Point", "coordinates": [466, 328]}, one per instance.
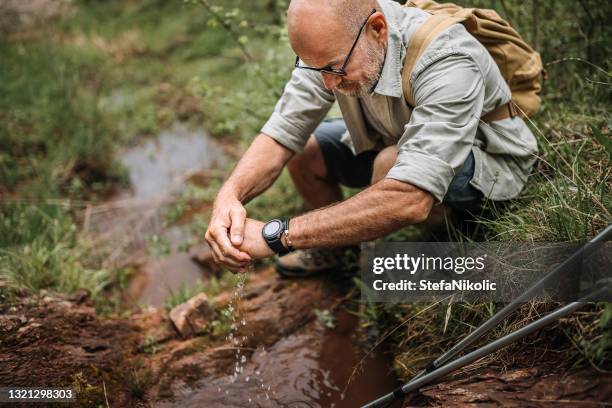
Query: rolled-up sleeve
{"type": "Point", "coordinates": [303, 105]}
{"type": "Point", "coordinates": [449, 95]}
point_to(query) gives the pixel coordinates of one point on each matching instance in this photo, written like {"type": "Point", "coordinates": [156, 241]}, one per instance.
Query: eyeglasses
{"type": "Point", "coordinates": [337, 71]}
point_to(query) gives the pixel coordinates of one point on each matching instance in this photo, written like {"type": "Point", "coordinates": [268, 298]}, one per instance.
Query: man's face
{"type": "Point", "coordinates": [362, 73]}
{"type": "Point", "coordinates": [321, 44]}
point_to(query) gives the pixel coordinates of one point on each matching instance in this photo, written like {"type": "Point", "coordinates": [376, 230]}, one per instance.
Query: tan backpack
{"type": "Point", "coordinates": [520, 65]}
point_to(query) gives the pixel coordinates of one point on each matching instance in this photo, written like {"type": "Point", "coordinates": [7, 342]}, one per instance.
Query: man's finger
{"type": "Point", "coordinates": [227, 248]}
{"type": "Point", "coordinates": [225, 261]}
{"type": "Point", "coordinates": [237, 216]}
{"type": "Point", "coordinates": [217, 255]}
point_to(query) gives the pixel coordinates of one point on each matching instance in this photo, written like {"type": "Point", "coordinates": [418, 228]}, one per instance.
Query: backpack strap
{"type": "Point", "coordinates": [430, 29]}
{"type": "Point", "coordinates": [419, 42]}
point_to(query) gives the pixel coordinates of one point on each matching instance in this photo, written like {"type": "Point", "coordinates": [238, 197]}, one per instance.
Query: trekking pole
{"type": "Point", "coordinates": [498, 317]}
{"type": "Point", "coordinates": [494, 320]}
{"type": "Point", "coordinates": [483, 351]}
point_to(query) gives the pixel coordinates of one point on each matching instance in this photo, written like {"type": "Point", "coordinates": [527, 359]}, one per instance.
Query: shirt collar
{"type": "Point", "coordinates": [390, 81]}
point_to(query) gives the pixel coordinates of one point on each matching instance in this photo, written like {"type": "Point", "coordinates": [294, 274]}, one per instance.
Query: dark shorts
{"type": "Point", "coordinates": [356, 170]}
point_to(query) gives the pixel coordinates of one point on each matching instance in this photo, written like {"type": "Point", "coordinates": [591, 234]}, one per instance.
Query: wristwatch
{"type": "Point", "coordinates": [272, 233]}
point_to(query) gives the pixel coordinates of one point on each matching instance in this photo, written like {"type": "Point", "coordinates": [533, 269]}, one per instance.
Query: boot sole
{"type": "Point", "coordinates": [294, 273]}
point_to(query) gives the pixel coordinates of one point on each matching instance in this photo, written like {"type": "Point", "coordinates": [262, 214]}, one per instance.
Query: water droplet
{"type": "Point", "coordinates": [247, 379]}
{"type": "Point", "coordinates": [243, 359]}
{"type": "Point", "coordinates": [267, 396]}
{"type": "Point", "coordinates": [226, 392]}
{"type": "Point", "coordinates": [257, 372]}
{"type": "Point", "coordinates": [250, 400]}
{"type": "Point", "coordinates": [218, 389]}
{"type": "Point", "coordinates": [243, 322]}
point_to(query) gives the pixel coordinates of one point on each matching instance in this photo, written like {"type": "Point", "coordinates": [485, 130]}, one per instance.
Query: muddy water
{"type": "Point", "coordinates": [156, 169]}
{"type": "Point", "coordinates": [161, 276]}
{"type": "Point", "coordinates": [155, 165]}
{"type": "Point", "coordinates": [310, 368]}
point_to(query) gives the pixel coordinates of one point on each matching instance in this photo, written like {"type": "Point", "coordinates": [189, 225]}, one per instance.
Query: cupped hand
{"type": "Point", "coordinates": [228, 220]}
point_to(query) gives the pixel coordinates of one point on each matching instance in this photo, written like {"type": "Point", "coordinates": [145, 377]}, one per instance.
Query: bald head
{"type": "Point", "coordinates": [314, 24]}
{"type": "Point", "coordinates": [348, 13]}
{"type": "Point", "coordinates": [322, 32]}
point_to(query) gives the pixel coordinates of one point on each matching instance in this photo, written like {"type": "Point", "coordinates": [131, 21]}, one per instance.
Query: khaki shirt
{"type": "Point", "coordinates": [454, 83]}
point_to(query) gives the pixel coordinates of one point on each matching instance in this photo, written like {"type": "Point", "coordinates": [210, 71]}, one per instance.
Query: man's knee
{"type": "Point", "coordinates": [383, 163]}
{"type": "Point", "coordinates": [310, 160]}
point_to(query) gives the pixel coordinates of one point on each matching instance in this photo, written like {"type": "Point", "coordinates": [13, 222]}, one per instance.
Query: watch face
{"type": "Point", "coordinates": [272, 228]}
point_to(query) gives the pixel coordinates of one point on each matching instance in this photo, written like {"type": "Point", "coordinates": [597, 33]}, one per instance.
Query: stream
{"type": "Point", "coordinates": [156, 168]}
{"type": "Point", "coordinates": [308, 366]}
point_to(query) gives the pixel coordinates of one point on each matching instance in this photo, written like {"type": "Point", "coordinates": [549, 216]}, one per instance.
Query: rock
{"type": "Point", "coordinates": [223, 299]}
{"type": "Point", "coordinates": [9, 323]}
{"type": "Point", "coordinates": [191, 317]}
{"type": "Point", "coordinates": [80, 296]}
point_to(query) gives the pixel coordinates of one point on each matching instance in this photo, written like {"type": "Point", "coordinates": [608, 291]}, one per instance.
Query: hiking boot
{"type": "Point", "coordinates": [303, 263]}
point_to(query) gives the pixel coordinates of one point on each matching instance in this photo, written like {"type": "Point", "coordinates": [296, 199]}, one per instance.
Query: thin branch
{"type": "Point", "coordinates": [227, 27]}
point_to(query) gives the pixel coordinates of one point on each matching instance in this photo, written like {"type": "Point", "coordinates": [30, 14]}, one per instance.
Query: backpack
{"type": "Point", "coordinates": [520, 65]}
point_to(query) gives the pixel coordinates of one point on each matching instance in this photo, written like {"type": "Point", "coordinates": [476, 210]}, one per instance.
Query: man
{"type": "Point", "coordinates": [416, 163]}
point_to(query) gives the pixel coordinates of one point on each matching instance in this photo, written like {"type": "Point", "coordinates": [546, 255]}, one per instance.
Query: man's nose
{"type": "Point", "coordinates": [331, 81]}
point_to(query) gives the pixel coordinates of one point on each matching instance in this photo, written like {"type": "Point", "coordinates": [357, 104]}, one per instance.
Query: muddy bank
{"type": "Point", "coordinates": [541, 386]}
{"type": "Point", "coordinates": [289, 357]}
{"type": "Point", "coordinates": [58, 341]}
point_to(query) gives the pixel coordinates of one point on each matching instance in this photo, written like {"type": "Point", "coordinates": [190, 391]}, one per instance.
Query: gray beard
{"type": "Point", "coordinates": [375, 60]}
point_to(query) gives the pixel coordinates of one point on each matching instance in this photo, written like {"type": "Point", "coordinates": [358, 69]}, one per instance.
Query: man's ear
{"type": "Point", "coordinates": [377, 27]}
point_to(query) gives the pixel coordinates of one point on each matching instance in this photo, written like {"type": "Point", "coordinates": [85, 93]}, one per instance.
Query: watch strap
{"type": "Point", "coordinates": [278, 247]}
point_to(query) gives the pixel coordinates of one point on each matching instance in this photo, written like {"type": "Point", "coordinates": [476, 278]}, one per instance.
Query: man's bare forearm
{"type": "Point", "coordinates": [380, 209]}
{"type": "Point", "coordinates": [257, 169]}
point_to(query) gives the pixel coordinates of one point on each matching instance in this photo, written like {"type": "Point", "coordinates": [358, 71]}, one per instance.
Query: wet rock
{"type": "Point", "coordinates": [29, 327]}
{"type": "Point", "coordinates": [80, 296]}
{"type": "Point", "coordinates": [223, 299]}
{"type": "Point", "coordinates": [9, 323]}
{"type": "Point", "coordinates": [156, 326]}
{"type": "Point", "coordinates": [191, 317]}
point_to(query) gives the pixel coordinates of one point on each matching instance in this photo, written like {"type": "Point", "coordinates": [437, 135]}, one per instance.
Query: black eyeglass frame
{"type": "Point", "coordinates": [339, 71]}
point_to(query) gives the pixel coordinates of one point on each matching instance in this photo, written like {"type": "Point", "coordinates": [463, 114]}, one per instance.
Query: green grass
{"type": "Point", "coordinates": [77, 91]}
{"type": "Point", "coordinates": [115, 72]}
{"type": "Point", "coordinates": [567, 198]}
{"type": "Point", "coordinates": [53, 139]}
{"type": "Point", "coordinates": [39, 249]}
